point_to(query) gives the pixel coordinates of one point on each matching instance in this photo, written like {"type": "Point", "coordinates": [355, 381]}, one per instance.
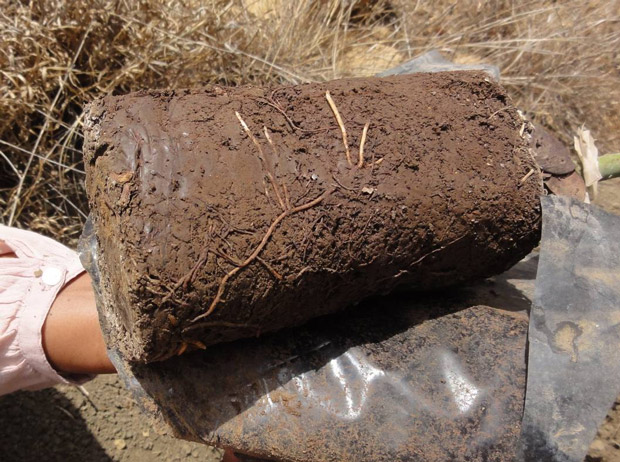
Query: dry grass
{"type": "Point", "coordinates": [559, 60]}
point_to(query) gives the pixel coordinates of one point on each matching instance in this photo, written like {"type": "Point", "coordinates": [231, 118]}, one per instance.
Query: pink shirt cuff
{"type": "Point", "coordinates": [29, 284]}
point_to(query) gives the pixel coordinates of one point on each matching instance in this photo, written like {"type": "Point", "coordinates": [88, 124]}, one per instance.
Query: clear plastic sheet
{"type": "Point", "coordinates": [574, 336]}
{"type": "Point", "coordinates": [433, 61]}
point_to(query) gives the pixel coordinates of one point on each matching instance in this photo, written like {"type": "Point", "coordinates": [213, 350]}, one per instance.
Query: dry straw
{"type": "Point", "coordinates": [559, 61]}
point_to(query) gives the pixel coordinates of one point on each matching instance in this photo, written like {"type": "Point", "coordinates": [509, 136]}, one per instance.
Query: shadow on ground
{"type": "Point", "coordinates": [46, 426]}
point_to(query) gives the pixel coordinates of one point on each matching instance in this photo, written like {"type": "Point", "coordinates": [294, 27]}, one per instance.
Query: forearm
{"type": "Point", "coordinates": [49, 331]}
{"type": "Point", "coordinates": [72, 337]}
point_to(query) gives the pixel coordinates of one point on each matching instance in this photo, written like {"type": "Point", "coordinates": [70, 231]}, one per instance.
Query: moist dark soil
{"type": "Point", "coordinates": [209, 231]}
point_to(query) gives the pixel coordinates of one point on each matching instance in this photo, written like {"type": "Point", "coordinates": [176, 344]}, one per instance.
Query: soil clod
{"type": "Point", "coordinates": [219, 216]}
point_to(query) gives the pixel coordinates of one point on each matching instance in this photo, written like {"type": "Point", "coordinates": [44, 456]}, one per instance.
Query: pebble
{"type": "Point", "coordinates": [597, 450]}
{"type": "Point", "coordinates": [120, 444]}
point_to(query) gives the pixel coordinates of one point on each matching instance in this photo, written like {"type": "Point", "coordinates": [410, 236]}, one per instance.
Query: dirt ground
{"type": "Point", "coordinates": [61, 424]}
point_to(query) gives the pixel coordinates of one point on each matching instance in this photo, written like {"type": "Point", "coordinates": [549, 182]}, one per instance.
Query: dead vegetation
{"type": "Point", "coordinates": [559, 60]}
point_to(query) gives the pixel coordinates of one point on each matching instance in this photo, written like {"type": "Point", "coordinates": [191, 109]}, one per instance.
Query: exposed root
{"type": "Point", "coordinates": [283, 112]}
{"type": "Point", "coordinates": [343, 130]}
{"type": "Point", "coordinates": [258, 249]}
{"type": "Point", "coordinates": [271, 101]}
{"type": "Point", "coordinates": [182, 349]}
{"type": "Point", "coordinates": [274, 104]}
{"type": "Point", "coordinates": [218, 324]}
{"type": "Point", "coordinates": [225, 256]}
{"type": "Point", "coordinates": [198, 344]}
{"type": "Point", "coordinates": [261, 155]}
{"type": "Point", "coordinates": [270, 268]}
{"type": "Point", "coordinates": [287, 198]}
{"type": "Point", "coordinates": [299, 274]}
{"type": "Point", "coordinates": [527, 175]}
{"type": "Point", "coordinates": [360, 162]}
{"type": "Point", "coordinates": [340, 184]}
{"type": "Point", "coordinates": [306, 240]}
{"type": "Point", "coordinates": [173, 320]}
{"type": "Point", "coordinates": [268, 136]}
{"type": "Point", "coordinates": [189, 277]}
{"type": "Point", "coordinates": [287, 202]}
{"type": "Point", "coordinates": [497, 112]}
{"type": "Point", "coordinates": [423, 257]}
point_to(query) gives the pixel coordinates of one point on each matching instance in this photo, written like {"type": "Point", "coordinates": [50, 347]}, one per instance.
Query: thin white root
{"type": "Point", "coordinates": [360, 162]}
{"type": "Point", "coordinates": [268, 136]}
{"type": "Point", "coordinates": [243, 124]}
{"type": "Point", "coordinates": [343, 130]}
{"type": "Point", "coordinates": [527, 175]}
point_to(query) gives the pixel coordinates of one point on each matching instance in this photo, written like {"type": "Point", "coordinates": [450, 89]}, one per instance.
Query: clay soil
{"type": "Point", "coordinates": [220, 211]}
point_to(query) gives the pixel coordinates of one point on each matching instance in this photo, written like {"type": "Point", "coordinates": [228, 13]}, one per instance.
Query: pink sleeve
{"type": "Point", "coordinates": [29, 284]}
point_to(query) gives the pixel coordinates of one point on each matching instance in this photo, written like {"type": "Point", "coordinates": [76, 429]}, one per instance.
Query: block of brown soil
{"type": "Point", "coordinates": [223, 213]}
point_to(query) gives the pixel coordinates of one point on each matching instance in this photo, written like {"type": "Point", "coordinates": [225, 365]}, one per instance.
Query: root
{"type": "Point", "coordinates": [258, 250]}
{"type": "Point", "coordinates": [173, 320]}
{"type": "Point", "coordinates": [287, 198]}
{"type": "Point", "coordinates": [527, 175]}
{"type": "Point", "coordinates": [261, 155]}
{"type": "Point", "coordinates": [423, 257]}
{"type": "Point", "coordinates": [185, 344]}
{"type": "Point", "coordinates": [360, 162]}
{"type": "Point", "coordinates": [227, 257]}
{"type": "Point", "coordinates": [189, 277]}
{"type": "Point", "coordinates": [306, 240]}
{"type": "Point", "coordinates": [271, 101]}
{"type": "Point", "coordinates": [218, 324]}
{"type": "Point", "coordinates": [198, 344]}
{"type": "Point", "coordinates": [182, 349]}
{"type": "Point", "coordinates": [270, 268]}
{"type": "Point", "coordinates": [274, 104]}
{"type": "Point", "coordinates": [287, 202]}
{"type": "Point", "coordinates": [341, 185]}
{"type": "Point", "coordinates": [343, 130]}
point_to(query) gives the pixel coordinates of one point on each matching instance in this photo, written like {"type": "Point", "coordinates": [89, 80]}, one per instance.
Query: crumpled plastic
{"type": "Point", "coordinates": [397, 378]}
{"type": "Point", "coordinates": [574, 334]}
